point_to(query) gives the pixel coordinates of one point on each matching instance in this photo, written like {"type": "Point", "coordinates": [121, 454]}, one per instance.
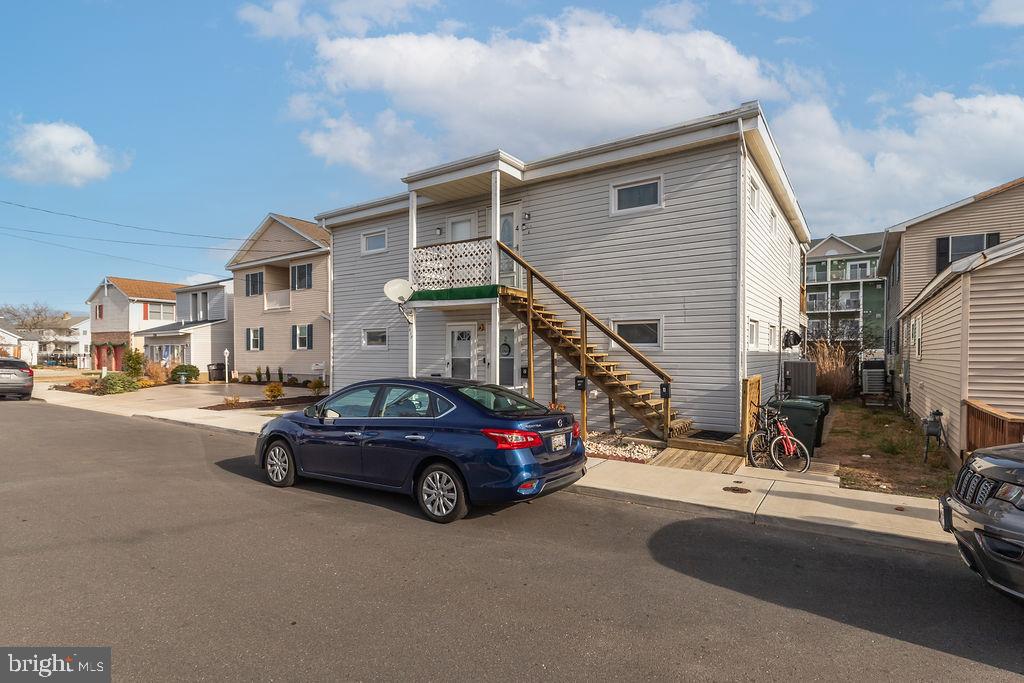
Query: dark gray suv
{"type": "Point", "coordinates": [984, 510]}
{"type": "Point", "coordinates": [16, 378]}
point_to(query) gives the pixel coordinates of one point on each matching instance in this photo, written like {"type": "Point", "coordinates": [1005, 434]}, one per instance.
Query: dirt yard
{"type": "Point", "coordinates": [896, 449]}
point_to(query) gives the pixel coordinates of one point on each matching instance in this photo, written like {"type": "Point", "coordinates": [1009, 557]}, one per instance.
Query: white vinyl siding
{"type": "Point", "coordinates": [935, 375]}
{"type": "Point", "coordinates": [996, 334]}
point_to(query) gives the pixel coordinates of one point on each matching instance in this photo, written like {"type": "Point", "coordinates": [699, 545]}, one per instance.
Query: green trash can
{"type": "Point", "coordinates": [804, 418]}
{"type": "Point", "coordinates": [826, 402]}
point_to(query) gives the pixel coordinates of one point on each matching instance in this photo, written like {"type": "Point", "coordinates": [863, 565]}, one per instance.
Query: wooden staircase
{"type": "Point", "coordinates": [621, 387]}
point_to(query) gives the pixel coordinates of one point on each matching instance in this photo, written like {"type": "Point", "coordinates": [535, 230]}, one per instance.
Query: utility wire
{"type": "Point", "coordinates": [141, 244]}
{"type": "Point", "coordinates": [129, 225]}
{"type": "Point", "coordinates": [100, 253]}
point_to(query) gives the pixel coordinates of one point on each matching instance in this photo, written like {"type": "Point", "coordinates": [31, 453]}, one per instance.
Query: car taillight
{"type": "Point", "coordinates": [29, 371]}
{"type": "Point", "coordinates": [575, 430]}
{"type": "Point", "coordinates": [510, 439]}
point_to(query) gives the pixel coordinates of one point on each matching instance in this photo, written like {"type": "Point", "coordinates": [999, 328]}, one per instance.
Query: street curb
{"type": "Point", "coordinates": [664, 503]}
{"type": "Point", "coordinates": [196, 425]}
{"type": "Point", "coordinates": [869, 536]}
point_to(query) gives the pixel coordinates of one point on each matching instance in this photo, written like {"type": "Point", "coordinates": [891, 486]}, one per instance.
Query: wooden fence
{"type": "Point", "coordinates": [989, 426]}
{"type": "Point", "coordinates": [751, 396]}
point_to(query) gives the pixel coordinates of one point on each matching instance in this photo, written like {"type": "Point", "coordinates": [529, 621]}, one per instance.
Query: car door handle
{"type": "Point", "coordinates": [353, 435]}
{"type": "Point", "coordinates": [414, 437]}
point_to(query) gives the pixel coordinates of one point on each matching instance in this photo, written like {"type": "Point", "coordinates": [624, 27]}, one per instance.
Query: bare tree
{"type": "Point", "coordinates": [28, 317]}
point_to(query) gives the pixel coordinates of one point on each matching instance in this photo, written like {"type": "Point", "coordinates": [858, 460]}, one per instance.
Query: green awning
{"type": "Point", "coordinates": [456, 293]}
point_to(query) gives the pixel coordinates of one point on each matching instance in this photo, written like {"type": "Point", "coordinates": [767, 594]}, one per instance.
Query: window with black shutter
{"type": "Point", "coordinates": [941, 254]}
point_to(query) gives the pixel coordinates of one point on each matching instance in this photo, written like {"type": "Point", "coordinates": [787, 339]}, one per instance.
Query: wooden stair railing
{"type": "Point", "coordinates": [572, 344]}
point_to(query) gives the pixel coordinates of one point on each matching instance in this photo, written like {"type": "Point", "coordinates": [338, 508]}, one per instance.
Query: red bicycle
{"type": "Point", "coordinates": [773, 443]}
{"type": "Point", "coordinates": [788, 452]}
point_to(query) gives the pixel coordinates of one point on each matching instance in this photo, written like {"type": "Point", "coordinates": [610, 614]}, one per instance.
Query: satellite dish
{"type": "Point", "coordinates": [398, 290]}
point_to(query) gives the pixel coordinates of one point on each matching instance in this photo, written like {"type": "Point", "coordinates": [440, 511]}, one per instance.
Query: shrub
{"type": "Point", "coordinates": [266, 374]}
{"type": "Point", "coordinates": [246, 379]}
{"type": "Point", "coordinates": [145, 383]}
{"type": "Point", "coordinates": [280, 373]}
{"type": "Point", "coordinates": [81, 384]}
{"type": "Point", "coordinates": [317, 386]}
{"type": "Point", "coordinates": [189, 372]}
{"type": "Point", "coordinates": [134, 362]}
{"type": "Point", "coordinates": [115, 383]}
{"type": "Point", "coordinates": [273, 391]}
{"type": "Point", "coordinates": [232, 400]}
{"type": "Point", "coordinates": [157, 372]}
{"type": "Point", "coordinates": [293, 381]}
{"type": "Point", "coordinates": [259, 374]}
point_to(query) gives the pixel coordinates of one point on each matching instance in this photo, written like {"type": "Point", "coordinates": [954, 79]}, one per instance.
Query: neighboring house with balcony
{"type": "Point", "coordinates": [67, 335]}
{"type": "Point", "coordinates": [955, 321]}
{"type": "Point", "coordinates": [845, 292]}
{"type": "Point", "coordinates": [282, 302]}
{"type": "Point", "coordinates": [653, 266]}
{"type": "Point", "coordinates": [118, 308]}
{"type": "Point", "coordinates": [202, 329]}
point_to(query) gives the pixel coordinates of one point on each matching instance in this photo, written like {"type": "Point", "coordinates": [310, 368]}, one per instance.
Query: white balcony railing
{"type": "Point", "coordinates": [281, 298]}
{"type": "Point", "coordinates": [466, 263]}
{"type": "Point", "coordinates": [817, 305]}
{"type": "Point", "coordinates": [855, 274]}
{"type": "Point", "coordinates": [816, 276]}
{"type": "Point", "coordinates": [852, 304]}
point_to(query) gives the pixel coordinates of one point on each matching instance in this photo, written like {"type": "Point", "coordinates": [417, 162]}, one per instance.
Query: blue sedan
{"type": "Point", "coordinates": [449, 443]}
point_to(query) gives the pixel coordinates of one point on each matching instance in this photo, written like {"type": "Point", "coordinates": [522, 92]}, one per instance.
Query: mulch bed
{"type": "Point", "coordinates": [286, 401]}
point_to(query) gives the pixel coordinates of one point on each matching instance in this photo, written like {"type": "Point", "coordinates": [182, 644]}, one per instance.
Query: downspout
{"type": "Point", "coordinates": [330, 303]}
{"type": "Point", "coordinates": [741, 261]}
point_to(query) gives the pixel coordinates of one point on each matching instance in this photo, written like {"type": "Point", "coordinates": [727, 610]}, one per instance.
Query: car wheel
{"type": "Point", "coordinates": [441, 495]}
{"type": "Point", "coordinates": [280, 464]}
{"type": "Point", "coordinates": [26, 397]}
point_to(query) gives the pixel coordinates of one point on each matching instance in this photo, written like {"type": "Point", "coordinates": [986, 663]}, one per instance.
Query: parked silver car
{"type": "Point", "coordinates": [984, 510]}
{"type": "Point", "coordinates": [16, 378]}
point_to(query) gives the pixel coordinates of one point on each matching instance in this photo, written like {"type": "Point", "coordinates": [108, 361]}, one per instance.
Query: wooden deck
{"type": "Point", "coordinates": [732, 446]}
{"type": "Point", "coordinates": [702, 461]}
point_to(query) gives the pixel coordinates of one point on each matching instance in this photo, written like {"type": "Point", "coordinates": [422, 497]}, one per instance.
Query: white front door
{"type": "Point", "coordinates": [508, 234]}
{"type": "Point", "coordinates": [460, 351]}
{"type": "Point", "coordinates": [507, 357]}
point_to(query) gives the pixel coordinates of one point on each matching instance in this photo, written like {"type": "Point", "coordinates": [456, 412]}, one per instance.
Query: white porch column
{"type": "Point", "coordinates": [493, 341]}
{"type": "Point", "coordinates": [412, 245]}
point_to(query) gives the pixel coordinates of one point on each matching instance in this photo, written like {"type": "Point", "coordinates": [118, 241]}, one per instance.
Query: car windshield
{"type": "Point", "coordinates": [502, 401]}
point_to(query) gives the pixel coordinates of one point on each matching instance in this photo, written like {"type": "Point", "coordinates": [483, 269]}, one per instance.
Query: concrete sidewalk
{"type": "Point", "coordinates": [775, 498]}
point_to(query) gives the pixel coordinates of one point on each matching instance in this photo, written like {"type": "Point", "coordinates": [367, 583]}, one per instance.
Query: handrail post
{"type": "Point", "coordinates": [583, 373]}
{"type": "Point", "coordinates": [529, 331]}
{"type": "Point", "coordinates": [666, 408]}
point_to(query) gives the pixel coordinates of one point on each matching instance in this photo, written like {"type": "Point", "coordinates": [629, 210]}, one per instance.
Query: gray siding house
{"type": "Point", "coordinates": [664, 255]}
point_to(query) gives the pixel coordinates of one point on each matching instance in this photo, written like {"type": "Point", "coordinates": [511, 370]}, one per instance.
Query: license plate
{"type": "Point", "coordinates": [558, 442]}
{"type": "Point", "coordinates": [7, 375]}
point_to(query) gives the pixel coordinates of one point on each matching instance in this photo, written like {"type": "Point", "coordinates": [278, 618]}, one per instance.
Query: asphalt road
{"type": "Point", "coordinates": [162, 542]}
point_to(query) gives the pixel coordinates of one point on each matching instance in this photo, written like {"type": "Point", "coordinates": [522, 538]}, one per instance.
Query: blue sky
{"type": "Point", "coordinates": [202, 117]}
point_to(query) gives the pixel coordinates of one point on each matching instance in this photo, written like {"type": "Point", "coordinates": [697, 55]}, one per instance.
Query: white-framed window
{"type": "Point", "coordinates": [254, 339]}
{"type": "Point", "coordinates": [755, 196]}
{"type": "Point", "coordinates": [254, 284]}
{"type": "Point", "coordinates": [773, 220]}
{"type": "Point", "coordinates": [857, 270]}
{"type": "Point", "coordinates": [159, 311]}
{"type": "Point", "coordinates": [644, 333]}
{"type": "Point", "coordinates": [302, 337]}
{"type": "Point", "coordinates": [374, 241]}
{"type": "Point", "coordinates": [200, 306]}
{"type": "Point", "coordinates": [916, 336]}
{"type": "Point", "coordinates": [773, 337]}
{"type": "Point", "coordinates": [462, 227]}
{"type": "Point", "coordinates": [636, 195]}
{"type": "Point", "coordinates": [375, 338]}
{"type": "Point", "coordinates": [302, 276]}
{"type": "Point", "coordinates": [753, 334]}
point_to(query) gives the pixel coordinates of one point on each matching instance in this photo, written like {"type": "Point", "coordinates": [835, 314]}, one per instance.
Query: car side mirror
{"type": "Point", "coordinates": [312, 411]}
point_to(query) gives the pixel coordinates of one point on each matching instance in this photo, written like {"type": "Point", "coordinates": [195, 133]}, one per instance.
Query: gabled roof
{"type": "Point", "coordinates": [863, 242]}
{"type": "Point", "coordinates": [318, 237]}
{"type": "Point", "coordinates": [145, 289]}
{"type": "Point", "coordinates": [893, 234]}
{"type": "Point", "coordinates": [62, 323]}
{"type": "Point", "coordinates": [967, 264]}
{"type": "Point", "coordinates": [306, 228]}
{"type": "Point", "coordinates": [8, 328]}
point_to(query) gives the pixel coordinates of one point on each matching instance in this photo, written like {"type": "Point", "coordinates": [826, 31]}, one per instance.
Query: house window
{"type": "Point", "coordinates": [915, 335]}
{"type": "Point", "coordinates": [99, 311]}
{"type": "Point", "coordinates": [200, 305]}
{"type": "Point", "coordinates": [375, 242]}
{"type": "Point", "coordinates": [302, 276]}
{"type": "Point", "coordinates": [254, 339]}
{"type": "Point", "coordinates": [636, 195]}
{"type": "Point", "coordinates": [254, 284]}
{"type": "Point", "coordinates": [153, 311]}
{"type": "Point", "coordinates": [302, 337]}
{"type": "Point", "coordinates": [774, 222]}
{"type": "Point", "coordinates": [857, 270]}
{"type": "Point", "coordinates": [639, 333]}
{"type": "Point", "coordinates": [755, 197]}
{"type": "Point", "coordinates": [953, 248]}
{"type": "Point", "coordinates": [461, 227]}
{"type": "Point", "coordinates": [375, 338]}
{"type": "Point", "coordinates": [773, 337]}
{"type": "Point", "coordinates": [753, 334]}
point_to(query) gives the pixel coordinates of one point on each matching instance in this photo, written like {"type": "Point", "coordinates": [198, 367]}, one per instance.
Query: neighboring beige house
{"type": "Point", "coordinates": [282, 299]}
{"type": "Point", "coordinates": [202, 329]}
{"type": "Point", "coordinates": [18, 344]}
{"type": "Point", "coordinates": [118, 308]}
{"type": "Point", "coordinates": [681, 242]}
{"type": "Point", "coordinates": [965, 346]}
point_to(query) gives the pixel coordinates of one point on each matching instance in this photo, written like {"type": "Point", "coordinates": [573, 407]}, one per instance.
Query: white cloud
{"type": "Point", "coordinates": [389, 147]}
{"type": "Point", "coordinates": [292, 19]}
{"type": "Point", "coordinates": [584, 78]}
{"type": "Point", "coordinates": [793, 40]}
{"type": "Point", "coordinates": [58, 153]}
{"type": "Point", "coordinates": [1003, 13]}
{"type": "Point", "coordinates": [675, 16]}
{"type": "Point", "coordinates": [851, 179]}
{"type": "Point", "coordinates": [198, 278]}
{"type": "Point", "coordinates": [782, 10]}
{"type": "Point", "coordinates": [303, 106]}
